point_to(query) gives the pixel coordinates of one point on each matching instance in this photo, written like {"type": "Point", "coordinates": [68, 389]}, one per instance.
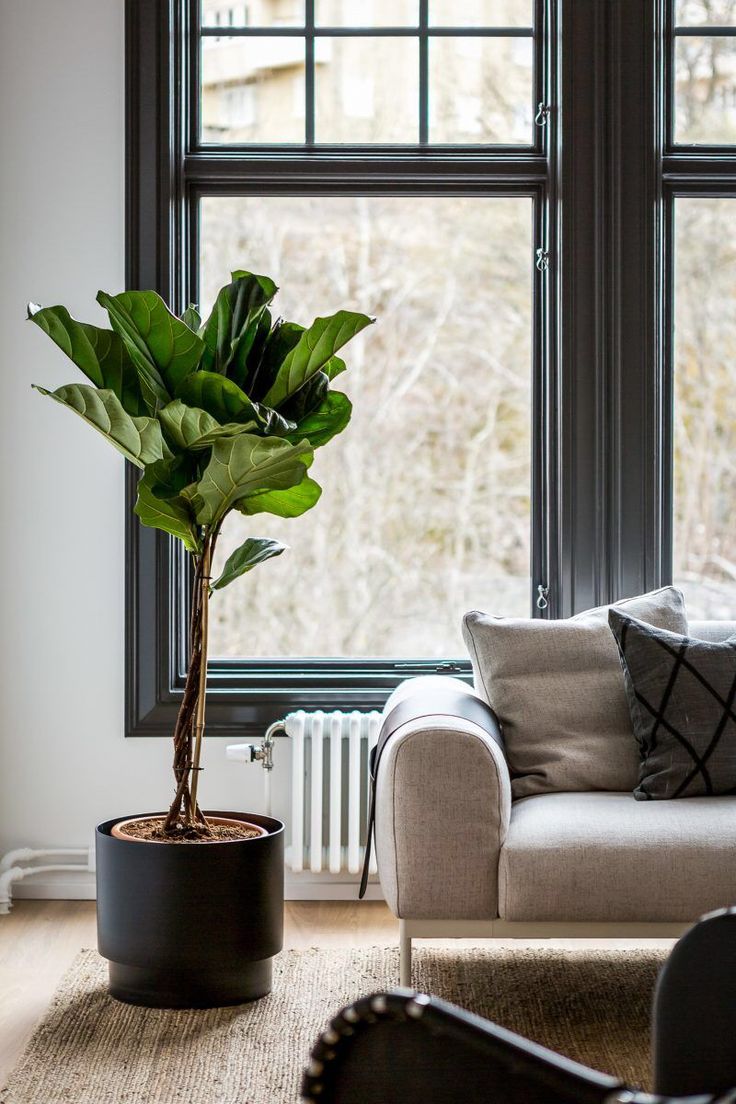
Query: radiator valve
{"type": "Point", "coordinates": [251, 753]}
{"type": "Point", "coordinates": [257, 753]}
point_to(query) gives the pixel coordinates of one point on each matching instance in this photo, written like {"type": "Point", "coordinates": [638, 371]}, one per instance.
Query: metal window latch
{"type": "Point", "coordinates": [543, 113]}
{"type": "Point", "coordinates": [542, 593]}
{"type": "Point", "coordinates": [448, 668]}
{"type": "Point", "coordinates": [542, 261]}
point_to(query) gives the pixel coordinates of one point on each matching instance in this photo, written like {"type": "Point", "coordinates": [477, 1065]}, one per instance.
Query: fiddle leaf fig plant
{"type": "Point", "coordinates": [219, 415]}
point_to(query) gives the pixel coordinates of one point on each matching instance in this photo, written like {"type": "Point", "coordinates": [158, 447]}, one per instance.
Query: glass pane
{"type": "Point", "coordinates": [481, 13]}
{"type": "Point", "coordinates": [354, 100]}
{"type": "Point", "coordinates": [366, 13]}
{"type": "Point", "coordinates": [253, 13]}
{"type": "Point", "coordinates": [705, 89]}
{"type": "Point", "coordinates": [705, 385]}
{"type": "Point", "coordinates": [426, 505]}
{"type": "Point", "coordinates": [480, 90]}
{"type": "Point", "coordinates": [717, 13]}
{"type": "Point", "coordinates": [253, 89]}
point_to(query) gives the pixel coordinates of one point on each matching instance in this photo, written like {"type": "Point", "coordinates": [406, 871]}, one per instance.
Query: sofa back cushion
{"type": "Point", "coordinates": [558, 690]}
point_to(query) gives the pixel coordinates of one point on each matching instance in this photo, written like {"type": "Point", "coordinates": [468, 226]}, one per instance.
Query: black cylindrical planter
{"type": "Point", "coordinates": [190, 925]}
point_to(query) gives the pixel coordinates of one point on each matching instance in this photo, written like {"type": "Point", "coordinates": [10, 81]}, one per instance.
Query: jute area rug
{"type": "Point", "coordinates": [593, 1006]}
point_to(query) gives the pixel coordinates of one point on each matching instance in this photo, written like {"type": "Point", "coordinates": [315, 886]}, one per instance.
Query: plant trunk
{"type": "Point", "coordinates": [184, 816]}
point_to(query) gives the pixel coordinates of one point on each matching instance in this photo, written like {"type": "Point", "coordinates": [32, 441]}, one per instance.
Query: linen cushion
{"type": "Point", "coordinates": [716, 631]}
{"type": "Point", "coordinates": [681, 695]}
{"type": "Point", "coordinates": [558, 690]}
{"type": "Point", "coordinates": [606, 857]}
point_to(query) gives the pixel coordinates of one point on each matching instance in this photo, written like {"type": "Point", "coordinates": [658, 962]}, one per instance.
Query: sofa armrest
{"type": "Point", "coordinates": [442, 812]}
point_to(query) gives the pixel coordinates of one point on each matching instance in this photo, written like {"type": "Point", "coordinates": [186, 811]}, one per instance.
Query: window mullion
{"type": "Point", "coordinates": [309, 72]}
{"type": "Point", "coordinates": [423, 72]}
{"type": "Point", "coordinates": [611, 428]}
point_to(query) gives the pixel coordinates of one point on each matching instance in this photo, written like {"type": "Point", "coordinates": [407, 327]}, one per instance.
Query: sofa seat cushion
{"type": "Point", "coordinates": [607, 857]}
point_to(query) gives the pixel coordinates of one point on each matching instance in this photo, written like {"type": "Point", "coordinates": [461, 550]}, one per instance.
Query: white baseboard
{"type": "Point", "coordinates": [70, 887]}
{"type": "Point", "coordinates": [296, 889]}
{"type": "Point", "coordinates": [81, 887]}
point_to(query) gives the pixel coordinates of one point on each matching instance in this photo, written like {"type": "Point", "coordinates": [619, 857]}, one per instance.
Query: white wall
{"type": "Point", "coordinates": [64, 761]}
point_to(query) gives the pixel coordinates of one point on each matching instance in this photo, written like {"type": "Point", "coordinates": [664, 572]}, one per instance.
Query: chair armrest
{"type": "Point", "coordinates": [442, 812]}
{"type": "Point", "coordinates": [400, 1048]}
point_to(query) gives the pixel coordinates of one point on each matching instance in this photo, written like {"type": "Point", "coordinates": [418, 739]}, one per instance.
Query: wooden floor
{"type": "Point", "coordinates": [39, 939]}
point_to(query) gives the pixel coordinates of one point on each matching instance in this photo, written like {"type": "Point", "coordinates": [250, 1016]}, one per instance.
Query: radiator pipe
{"type": "Point", "coordinates": [267, 759]}
{"type": "Point", "coordinates": [13, 874]}
{"type": "Point", "coordinates": [24, 854]}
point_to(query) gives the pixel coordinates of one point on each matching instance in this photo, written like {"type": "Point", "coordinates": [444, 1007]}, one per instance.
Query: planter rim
{"type": "Point", "coordinates": [122, 825]}
{"type": "Point", "coordinates": [273, 827]}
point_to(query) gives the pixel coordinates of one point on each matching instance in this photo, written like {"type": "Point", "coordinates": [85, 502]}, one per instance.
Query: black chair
{"type": "Point", "coordinates": [401, 1047]}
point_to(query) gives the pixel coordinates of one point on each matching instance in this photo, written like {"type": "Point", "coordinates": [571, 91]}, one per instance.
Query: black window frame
{"type": "Point", "coordinates": [697, 170]}
{"type": "Point", "coordinates": [600, 459]}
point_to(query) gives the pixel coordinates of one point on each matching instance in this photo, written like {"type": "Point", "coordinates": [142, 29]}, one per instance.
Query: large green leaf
{"type": "Point", "coordinates": [184, 426]}
{"type": "Point", "coordinates": [231, 329]}
{"type": "Point", "coordinates": [173, 476]}
{"type": "Point", "coordinates": [315, 348]}
{"type": "Point", "coordinates": [292, 502]}
{"type": "Point", "coordinates": [100, 354]}
{"type": "Point", "coordinates": [282, 339]}
{"type": "Point", "coordinates": [255, 356]}
{"type": "Point", "coordinates": [324, 423]}
{"type": "Point", "coordinates": [219, 396]}
{"type": "Point", "coordinates": [230, 429]}
{"type": "Point", "coordinates": [170, 514]}
{"type": "Point", "coordinates": [251, 553]}
{"type": "Point", "coordinates": [307, 398]}
{"type": "Point", "coordinates": [139, 439]}
{"type": "Point", "coordinates": [334, 367]}
{"type": "Point", "coordinates": [273, 423]}
{"type": "Point", "coordinates": [242, 465]}
{"type": "Point", "coordinates": [162, 347]}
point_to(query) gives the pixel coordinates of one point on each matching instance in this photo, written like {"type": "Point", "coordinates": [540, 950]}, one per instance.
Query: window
{"type": "Point", "coordinates": [511, 440]}
{"type": "Point", "coordinates": [459, 74]}
{"type": "Point", "coordinates": [705, 385]}
{"type": "Point", "coordinates": [433, 478]}
{"type": "Point", "coordinates": [701, 211]}
{"type": "Point", "coordinates": [442, 430]}
{"type": "Point", "coordinates": [705, 72]}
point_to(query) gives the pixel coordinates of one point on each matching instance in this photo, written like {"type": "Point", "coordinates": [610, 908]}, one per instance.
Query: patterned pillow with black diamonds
{"type": "Point", "coordinates": [682, 699]}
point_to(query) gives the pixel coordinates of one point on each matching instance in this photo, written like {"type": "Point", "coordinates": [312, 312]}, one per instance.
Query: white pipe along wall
{"type": "Point", "coordinates": [65, 763]}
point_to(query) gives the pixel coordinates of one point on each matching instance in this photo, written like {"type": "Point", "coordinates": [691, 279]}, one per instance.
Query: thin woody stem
{"type": "Point", "coordinates": [199, 722]}
{"type": "Point", "coordinates": [184, 814]}
{"type": "Point", "coordinates": [183, 728]}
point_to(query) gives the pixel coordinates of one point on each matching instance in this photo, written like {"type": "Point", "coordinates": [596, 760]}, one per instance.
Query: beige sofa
{"type": "Point", "coordinates": [458, 857]}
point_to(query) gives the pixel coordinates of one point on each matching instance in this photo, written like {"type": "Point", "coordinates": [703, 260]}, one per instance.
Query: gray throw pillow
{"type": "Point", "coordinates": [559, 693]}
{"type": "Point", "coordinates": [681, 695]}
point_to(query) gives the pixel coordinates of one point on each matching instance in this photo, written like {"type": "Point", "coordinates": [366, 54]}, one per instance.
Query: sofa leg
{"type": "Point", "coordinates": [404, 956]}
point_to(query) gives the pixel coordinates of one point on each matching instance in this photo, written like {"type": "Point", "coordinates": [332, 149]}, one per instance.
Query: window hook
{"type": "Point", "coordinates": [542, 593]}
{"type": "Point", "coordinates": [543, 111]}
{"type": "Point", "coordinates": [542, 261]}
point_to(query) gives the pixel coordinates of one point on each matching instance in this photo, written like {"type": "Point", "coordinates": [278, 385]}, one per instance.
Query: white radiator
{"type": "Point", "coordinates": [330, 790]}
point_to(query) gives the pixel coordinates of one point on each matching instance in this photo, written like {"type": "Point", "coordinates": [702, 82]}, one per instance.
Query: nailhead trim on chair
{"type": "Point", "coordinates": [364, 1012]}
